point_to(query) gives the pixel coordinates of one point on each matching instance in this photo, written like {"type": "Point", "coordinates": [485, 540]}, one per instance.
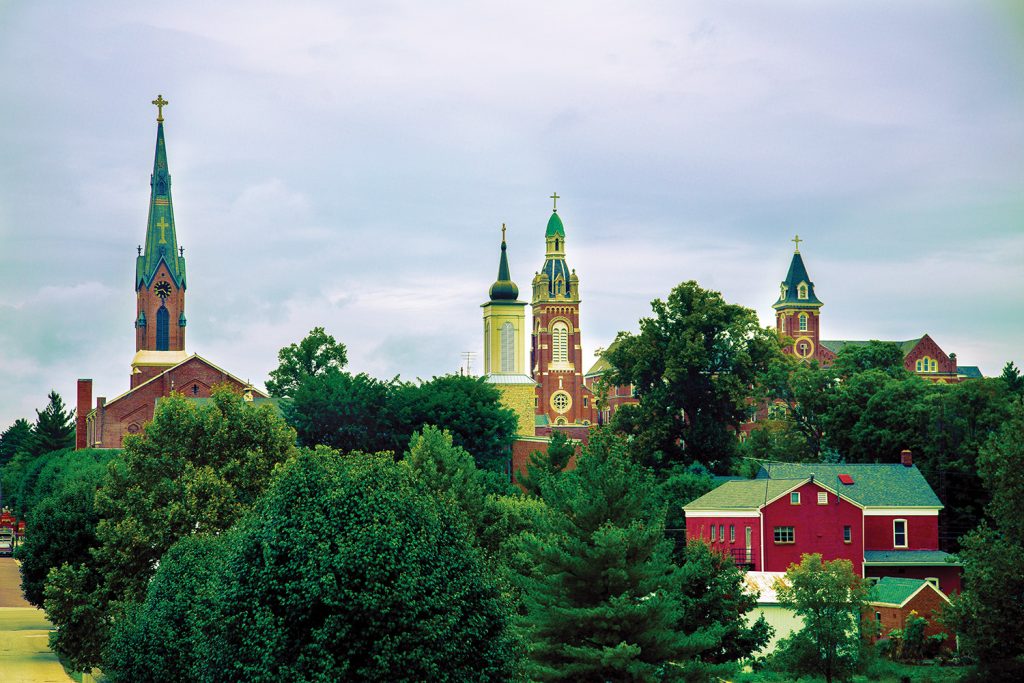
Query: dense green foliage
{"type": "Point", "coordinates": [62, 515]}
{"type": "Point", "coordinates": [345, 411]}
{"type": "Point", "coordinates": [692, 366]}
{"type": "Point", "coordinates": [988, 611]}
{"type": "Point", "coordinates": [196, 469]}
{"type": "Point", "coordinates": [603, 598]}
{"type": "Point", "coordinates": [54, 429]}
{"type": "Point", "coordinates": [346, 570]}
{"type": "Point", "coordinates": [830, 598]}
{"type": "Point", "coordinates": [315, 355]}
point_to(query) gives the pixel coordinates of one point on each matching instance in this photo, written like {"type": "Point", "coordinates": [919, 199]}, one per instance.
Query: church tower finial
{"type": "Point", "coordinates": [160, 103]}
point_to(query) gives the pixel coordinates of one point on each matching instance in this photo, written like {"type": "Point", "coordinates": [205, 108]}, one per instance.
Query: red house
{"type": "Point", "coordinates": [883, 518]}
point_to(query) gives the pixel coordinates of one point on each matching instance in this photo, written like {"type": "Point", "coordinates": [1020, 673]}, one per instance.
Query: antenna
{"type": "Point", "coordinates": [467, 358]}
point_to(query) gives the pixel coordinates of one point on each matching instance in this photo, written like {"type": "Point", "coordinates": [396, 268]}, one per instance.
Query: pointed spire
{"type": "Point", "coordinates": [161, 240]}
{"type": "Point", "coordinates": [797, 290]}
{"type": "Point", "coordinates": [503, 288]}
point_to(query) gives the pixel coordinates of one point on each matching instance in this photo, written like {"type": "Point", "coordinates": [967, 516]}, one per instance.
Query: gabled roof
{"type": "Point", "coordinates": [602, 365]}
{"type": "Point", "coordinates": [749, 494]}
{"type": "Point", "coordinates": [194, 356]}
{"type": "Point", "coordinates": [909, 557]}
{"type": "Point", "coordinates": [874, 485]}
{"type": "Point", "coordinates": [891, 590]}
{"type": "Point", "coordinates": [797, 275]}
{"type": "Point", "coordinates": [969, 371]}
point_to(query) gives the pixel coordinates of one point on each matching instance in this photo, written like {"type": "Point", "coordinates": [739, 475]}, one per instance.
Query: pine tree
{"type": "Point", "coordinates": [54, 429]}
{"type": "Point", "coordinates": [13, 439]}
{"type": "Point", "coordinates": [602, 599]}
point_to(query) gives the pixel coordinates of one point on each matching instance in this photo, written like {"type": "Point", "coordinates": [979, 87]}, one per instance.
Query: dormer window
{"type": "Point", "coordinates": [801, 291]}
{"type": "Point", "coordinates": [782, 294]}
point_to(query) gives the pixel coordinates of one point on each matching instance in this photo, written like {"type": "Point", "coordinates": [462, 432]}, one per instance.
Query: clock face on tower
{"type": "Point", "coordinates": [163, 290]}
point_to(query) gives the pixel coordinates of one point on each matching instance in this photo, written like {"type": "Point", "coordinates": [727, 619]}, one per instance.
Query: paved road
{"type": "Point", "coordinates": [24, 631]}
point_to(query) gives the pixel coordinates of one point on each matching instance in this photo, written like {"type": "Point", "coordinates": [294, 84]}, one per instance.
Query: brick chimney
{"type": "Point", "coordinates": [81, 410]}
{"type": "Point", "coordinates": [906, 457]}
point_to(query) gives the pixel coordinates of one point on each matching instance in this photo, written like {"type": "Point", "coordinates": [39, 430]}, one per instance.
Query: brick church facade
{"type": "Point", "coordinates": [161, 364]}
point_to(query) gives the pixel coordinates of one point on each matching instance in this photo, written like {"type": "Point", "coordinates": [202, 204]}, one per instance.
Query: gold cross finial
{"type": "Point", "coordinates": [796, 240]}
{"type": "Point", "coordinates": [160, 103]}
{"type": "Point", "coordinates": [163, 225]}
{"type": "Point", "coordinates": [502, 232]}
{"type": "Point", "coordinates": [555, 198]}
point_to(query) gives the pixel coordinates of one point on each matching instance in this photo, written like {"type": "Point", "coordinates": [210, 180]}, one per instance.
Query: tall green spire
{"type": "Point", "coordinates": [161, 240]}
{"type": "Point", "coordinates": [503, 288]}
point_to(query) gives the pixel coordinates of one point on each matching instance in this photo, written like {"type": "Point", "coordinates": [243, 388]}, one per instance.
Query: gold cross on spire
{"type": "Point", "coordinates": [555, 198]}
{"type": "Point", "coordinates": [163, 225]}
{"type": "Point", "coordinates": [502, 232]}
{"type": "Point", "coordinates": [796, 240]}
{"type": "Point", "coordinates": [160, 103]}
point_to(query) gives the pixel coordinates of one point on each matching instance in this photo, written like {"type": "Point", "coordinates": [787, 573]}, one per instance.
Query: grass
{"type": "Point", "coordinates": [882, 671]}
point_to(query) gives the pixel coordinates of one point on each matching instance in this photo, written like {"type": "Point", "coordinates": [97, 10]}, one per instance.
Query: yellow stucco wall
{"type": "Point", "coordinates": [519, 397]}
{"type": "Point", "coordinates": [496, 314]}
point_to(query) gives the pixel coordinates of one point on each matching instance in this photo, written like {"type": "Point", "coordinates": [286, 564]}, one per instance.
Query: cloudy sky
{"type": "Point", "coordinates": [350, 165]}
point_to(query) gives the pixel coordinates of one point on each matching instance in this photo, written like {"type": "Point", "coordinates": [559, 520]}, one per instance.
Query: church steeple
{"type": "Point", "coordinates": [159, 275]}
{"type": "Point", "coordinates": [503, 288]}
{"type": "Point", "coordinates": [161, 239]}
{"type": "Point", "coordinates": [555, 281]}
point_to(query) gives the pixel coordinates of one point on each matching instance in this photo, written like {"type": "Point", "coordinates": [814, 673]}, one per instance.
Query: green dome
{"type": "Point", "coordinates": [555, 226]}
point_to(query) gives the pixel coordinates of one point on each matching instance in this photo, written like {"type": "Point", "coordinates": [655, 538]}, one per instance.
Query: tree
{"type": "Point", "coordinates": [547, 463]}
{"type": "Point", "coordinates": [14, 439]}
{"type": "Point", "coordinates": [343, 411]}
{"type": "Point", "coordinates": [195, 469]}
{"type": "Point", "coordinates": [993, 558]}
{"type": "Point", "coordinates": [875, 355]}
{"type": "Point", "coordinates": [54, 428]}
{"type": "Point", "coordinates": [449, 473]}
{"type": "Point", "coordinates": [469, 408]}
{"type": "Point", "coordinates": [1012, 377]}
{"type": "Point", "coordinates": [174, 634]}
{"type": "Point", "coordinates": [693, 366]}
{"type": "Point", "coordinates": [315, 355]}
{"type": "Point", "coordinates": [603, 599]}
{"type": "Point", "coordinates": [63, 522]}
{"type": "Point", "coordinates": [831, 599]}
{"type": "Point", "coordinates": [680, 486]}
{"type": "Point", "coordinates": [349, 570]}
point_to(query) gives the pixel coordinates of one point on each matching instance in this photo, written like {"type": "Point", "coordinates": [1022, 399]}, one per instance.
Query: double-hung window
{"type": "Point", "coordinates": [899, 533]}
{"type": "Point", "coordinates": [713, 530]}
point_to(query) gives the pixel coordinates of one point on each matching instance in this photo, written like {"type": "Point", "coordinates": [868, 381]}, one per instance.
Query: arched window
{"type": "Point", "coordinates": [508, 348]}
{"type": "Point", "coordinates": [560, 343]}
{"type": "Point", "coordinates": [926, 364]}
{"type": "Point", "coordinates": [803, 322]}
{"type": "Point", "coordinates": [801, 291]}
{"type": "Point", "coordinates": [163, 325]}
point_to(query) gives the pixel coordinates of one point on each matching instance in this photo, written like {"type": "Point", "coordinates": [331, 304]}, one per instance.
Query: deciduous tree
{"type": "Point", "coordinates": [315, 355]}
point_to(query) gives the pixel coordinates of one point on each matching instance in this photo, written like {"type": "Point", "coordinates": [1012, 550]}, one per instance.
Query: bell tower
{"type": "Point", "coordinates": [556, 358]}
{"type": "Point", "coordinates": [159, 276]}
{"type": "Point", "coordinates": [504, 350]}
{"type": "Point", "coordinates": [797, 311]}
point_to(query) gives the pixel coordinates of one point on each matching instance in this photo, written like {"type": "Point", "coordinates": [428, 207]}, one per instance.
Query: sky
{"type": "Point", "coordinates": [349, 165]}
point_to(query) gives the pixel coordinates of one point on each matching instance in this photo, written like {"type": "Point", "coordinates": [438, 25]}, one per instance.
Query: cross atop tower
{"type": "Point", "coordinates": [555, 198]}
{"type": "Point", "coordinates": [796, 240]}
{"type": "Point", "coordinates": [160, 103]}
{"type": "Point", "coordinates": [502, 232]}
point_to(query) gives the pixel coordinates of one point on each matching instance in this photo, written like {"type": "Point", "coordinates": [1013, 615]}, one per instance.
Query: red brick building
{"type": "Point", "coordinates": [883, 518]}
{"type": "Point", "coordinates": [161, 364]}
{"type": "Point", "coordinates": [893, 599]}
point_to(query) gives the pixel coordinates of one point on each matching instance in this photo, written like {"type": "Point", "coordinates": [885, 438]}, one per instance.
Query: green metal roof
{"type": "Point", "coordinates": [797, 274]}
{"type": "Point", "coordinates": [555, 226]}
{"type": "Point", "coordinates": [894, 591]}
{"type": "Point", "coordinates": [909, 557]}
{"type": "Point", "coordinates": [161, 241]}
{"type": "Point", "coordinates": [969, 371]}
{"type": "Point", "coordinates": [602, 365]}
{"type": "Point", "coordinates": [749, 494]}
{"type": "Point", "coordinates": [874, 485]}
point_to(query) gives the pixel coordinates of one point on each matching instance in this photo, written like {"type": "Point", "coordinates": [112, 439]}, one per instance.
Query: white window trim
{"type": "Point", "coordinates": [794, 497]}
{"type": "Point", "coordinates": [906, 534]}
{"type": "Point", "coordinates": [778, 542]}
{"type": "Point", "coordinates": [822, 495]}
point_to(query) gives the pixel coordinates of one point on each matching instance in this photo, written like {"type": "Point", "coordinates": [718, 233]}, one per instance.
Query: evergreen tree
{"type": "Point", "coordinates": [15, 438]}
{"type": "Point", "coordinates": [449, 473]}
{"type": "Point", "coordinates": [550, 463]}
{"type": "Point", "coordinates": [54, 428]}
{"type": "Point", "coordinates": [603, 597]}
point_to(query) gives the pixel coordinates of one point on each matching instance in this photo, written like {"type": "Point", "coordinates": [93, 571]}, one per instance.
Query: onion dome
{"type": "Point", "coordinates": [503, 288]}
